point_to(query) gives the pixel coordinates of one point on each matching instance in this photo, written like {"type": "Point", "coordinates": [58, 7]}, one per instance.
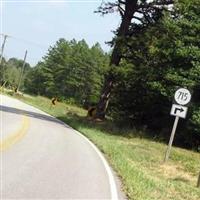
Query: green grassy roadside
{"type": "Point", "coordinates": [136, 159]}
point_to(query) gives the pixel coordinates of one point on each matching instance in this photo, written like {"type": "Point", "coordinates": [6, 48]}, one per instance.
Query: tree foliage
{"type": "Point", "coordinates": [134, 14]}
{"type": "Point", "coordinates": [11, 71]}
{"type": "Point", "coordinates": [156, 61]}
{"type": "Point", "coordinates": [70, 70]}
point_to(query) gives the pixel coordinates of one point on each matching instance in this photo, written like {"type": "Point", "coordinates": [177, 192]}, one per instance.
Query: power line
{"type": "Point", "coordinates": [27, 41]}
{"type": "Point", "coordinates": [31, 42]}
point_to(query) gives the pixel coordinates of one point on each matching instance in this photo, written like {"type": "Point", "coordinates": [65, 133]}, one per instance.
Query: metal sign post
{"type": "Point", "coordinates": [182, 97]}
{"type": "Point", "coordinates": [171, 139]}
{"type": "Point", "coordinates": [198, 182]}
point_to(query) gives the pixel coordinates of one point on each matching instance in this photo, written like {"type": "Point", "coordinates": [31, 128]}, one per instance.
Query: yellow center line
{"type": "Point", "coordinates": [16, 136]}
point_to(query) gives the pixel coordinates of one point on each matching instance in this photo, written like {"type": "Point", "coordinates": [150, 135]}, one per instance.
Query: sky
{"type": "Point", "coordinates": [34, 25]}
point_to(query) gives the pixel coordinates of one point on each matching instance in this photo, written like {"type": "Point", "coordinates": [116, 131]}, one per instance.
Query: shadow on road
{"type": "Point", "coordinates": [30, 114]}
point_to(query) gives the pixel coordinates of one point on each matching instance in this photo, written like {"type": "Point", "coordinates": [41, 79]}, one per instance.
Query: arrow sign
{"type": "Point", "coordinates": [178, 110]}
{"type": "Point", "coordinates": [182, 97]}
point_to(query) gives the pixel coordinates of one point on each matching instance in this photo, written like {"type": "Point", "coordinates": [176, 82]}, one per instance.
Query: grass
{"type": "Point", "coordinates": [137, 160]}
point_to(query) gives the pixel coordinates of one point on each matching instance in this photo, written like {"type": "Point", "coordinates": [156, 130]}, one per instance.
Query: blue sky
{"type": "Point", "coordinates": [34, 26]}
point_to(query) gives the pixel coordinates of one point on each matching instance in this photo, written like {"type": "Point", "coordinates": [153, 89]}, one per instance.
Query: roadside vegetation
{"type": "Point", "coordinates": [155, 50]}
{"type": "Point", "coordinates": [137, 158]}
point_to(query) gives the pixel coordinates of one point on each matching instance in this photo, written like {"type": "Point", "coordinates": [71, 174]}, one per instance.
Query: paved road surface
{"type": "Point", "coordinates": [42, 158]}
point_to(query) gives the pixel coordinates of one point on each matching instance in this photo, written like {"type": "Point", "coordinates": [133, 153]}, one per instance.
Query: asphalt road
{"type": "Point", "coordinates": [43, 158]}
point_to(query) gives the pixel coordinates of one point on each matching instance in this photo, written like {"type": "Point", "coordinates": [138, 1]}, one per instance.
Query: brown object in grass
{"type": "Point", "coordinates": [54, 100]}
{"type": "Point", "coordinates": [91, 112]}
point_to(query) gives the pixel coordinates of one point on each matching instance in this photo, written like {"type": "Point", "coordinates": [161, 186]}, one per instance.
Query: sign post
{"type": "Point", "coordinates": [171, 139]}
{"type": "Point", "coordinates": [182, 97]}
{"type": "Point", "coordinates": [198, 182]}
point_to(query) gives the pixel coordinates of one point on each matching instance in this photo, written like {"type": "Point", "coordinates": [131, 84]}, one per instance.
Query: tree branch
{"type": "Point", "coordinates": [156, 3]}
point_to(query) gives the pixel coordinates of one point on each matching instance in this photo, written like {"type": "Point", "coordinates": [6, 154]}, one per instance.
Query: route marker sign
{"type": "Point", "coordinates": [182, 97]}
{"type": "Point", "coordinates": [178, 110]}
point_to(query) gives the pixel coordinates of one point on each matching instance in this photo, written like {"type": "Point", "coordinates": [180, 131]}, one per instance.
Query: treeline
{"type": "Point", "coordinates": [156, 61]}
{"type": "Point", "coordinates": [71, 70]}
{"type": "Point", "coordinates": [11, 71]}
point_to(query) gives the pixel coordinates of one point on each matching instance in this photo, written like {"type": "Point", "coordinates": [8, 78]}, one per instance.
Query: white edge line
{"type": "Point", "coordinates": [112, 183]}
{"type": "Point", "coordinates": [113, 188]}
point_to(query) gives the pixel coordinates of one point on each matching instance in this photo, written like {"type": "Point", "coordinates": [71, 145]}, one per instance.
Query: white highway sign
{"type": "Point", "coordinates": [179, 111]}
{"type": "Point", "coordinates": [182, 96]}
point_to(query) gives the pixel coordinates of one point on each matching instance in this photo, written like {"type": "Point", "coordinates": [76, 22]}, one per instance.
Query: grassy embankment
{"type": "Point", "coordinates": [136, 159]}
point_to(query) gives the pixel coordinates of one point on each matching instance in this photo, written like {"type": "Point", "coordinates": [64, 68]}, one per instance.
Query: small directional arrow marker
{"type": "Point", "coordinates": [178, 110]}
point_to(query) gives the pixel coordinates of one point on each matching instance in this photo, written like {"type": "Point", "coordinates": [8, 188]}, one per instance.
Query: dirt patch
{"type": "Point", "coordinates": [176, 173]}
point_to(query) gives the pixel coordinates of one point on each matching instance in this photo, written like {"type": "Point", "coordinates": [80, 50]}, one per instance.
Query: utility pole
{"type": "Point", "coordinates": [1, 57]}
{"type": "Point", "coordinates": [2, 48]}
{"type": "Point", "coordinates": [22, 71]}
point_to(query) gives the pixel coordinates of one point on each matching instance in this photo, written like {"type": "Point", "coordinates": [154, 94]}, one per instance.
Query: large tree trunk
{"type": "Point", "coordinates": [130, 8]}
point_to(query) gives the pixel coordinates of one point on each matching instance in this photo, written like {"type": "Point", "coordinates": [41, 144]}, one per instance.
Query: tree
{"type": "Point", "coordinates": [2, 78]}
{"type": "Point", "coordinates": [34, 82]}
{"type": "Point", "coordinates": [70, 70]}
{"type": "Point", "coordinates": [13, 70]}
{"type": "Point", "coordinates": [133, 12]}
{"type": "Point", "coordinates": [155, 62]}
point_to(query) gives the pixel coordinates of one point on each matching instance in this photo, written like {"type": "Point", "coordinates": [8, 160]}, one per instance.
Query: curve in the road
{"type": "Point", "coordinates": [16, 136]}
